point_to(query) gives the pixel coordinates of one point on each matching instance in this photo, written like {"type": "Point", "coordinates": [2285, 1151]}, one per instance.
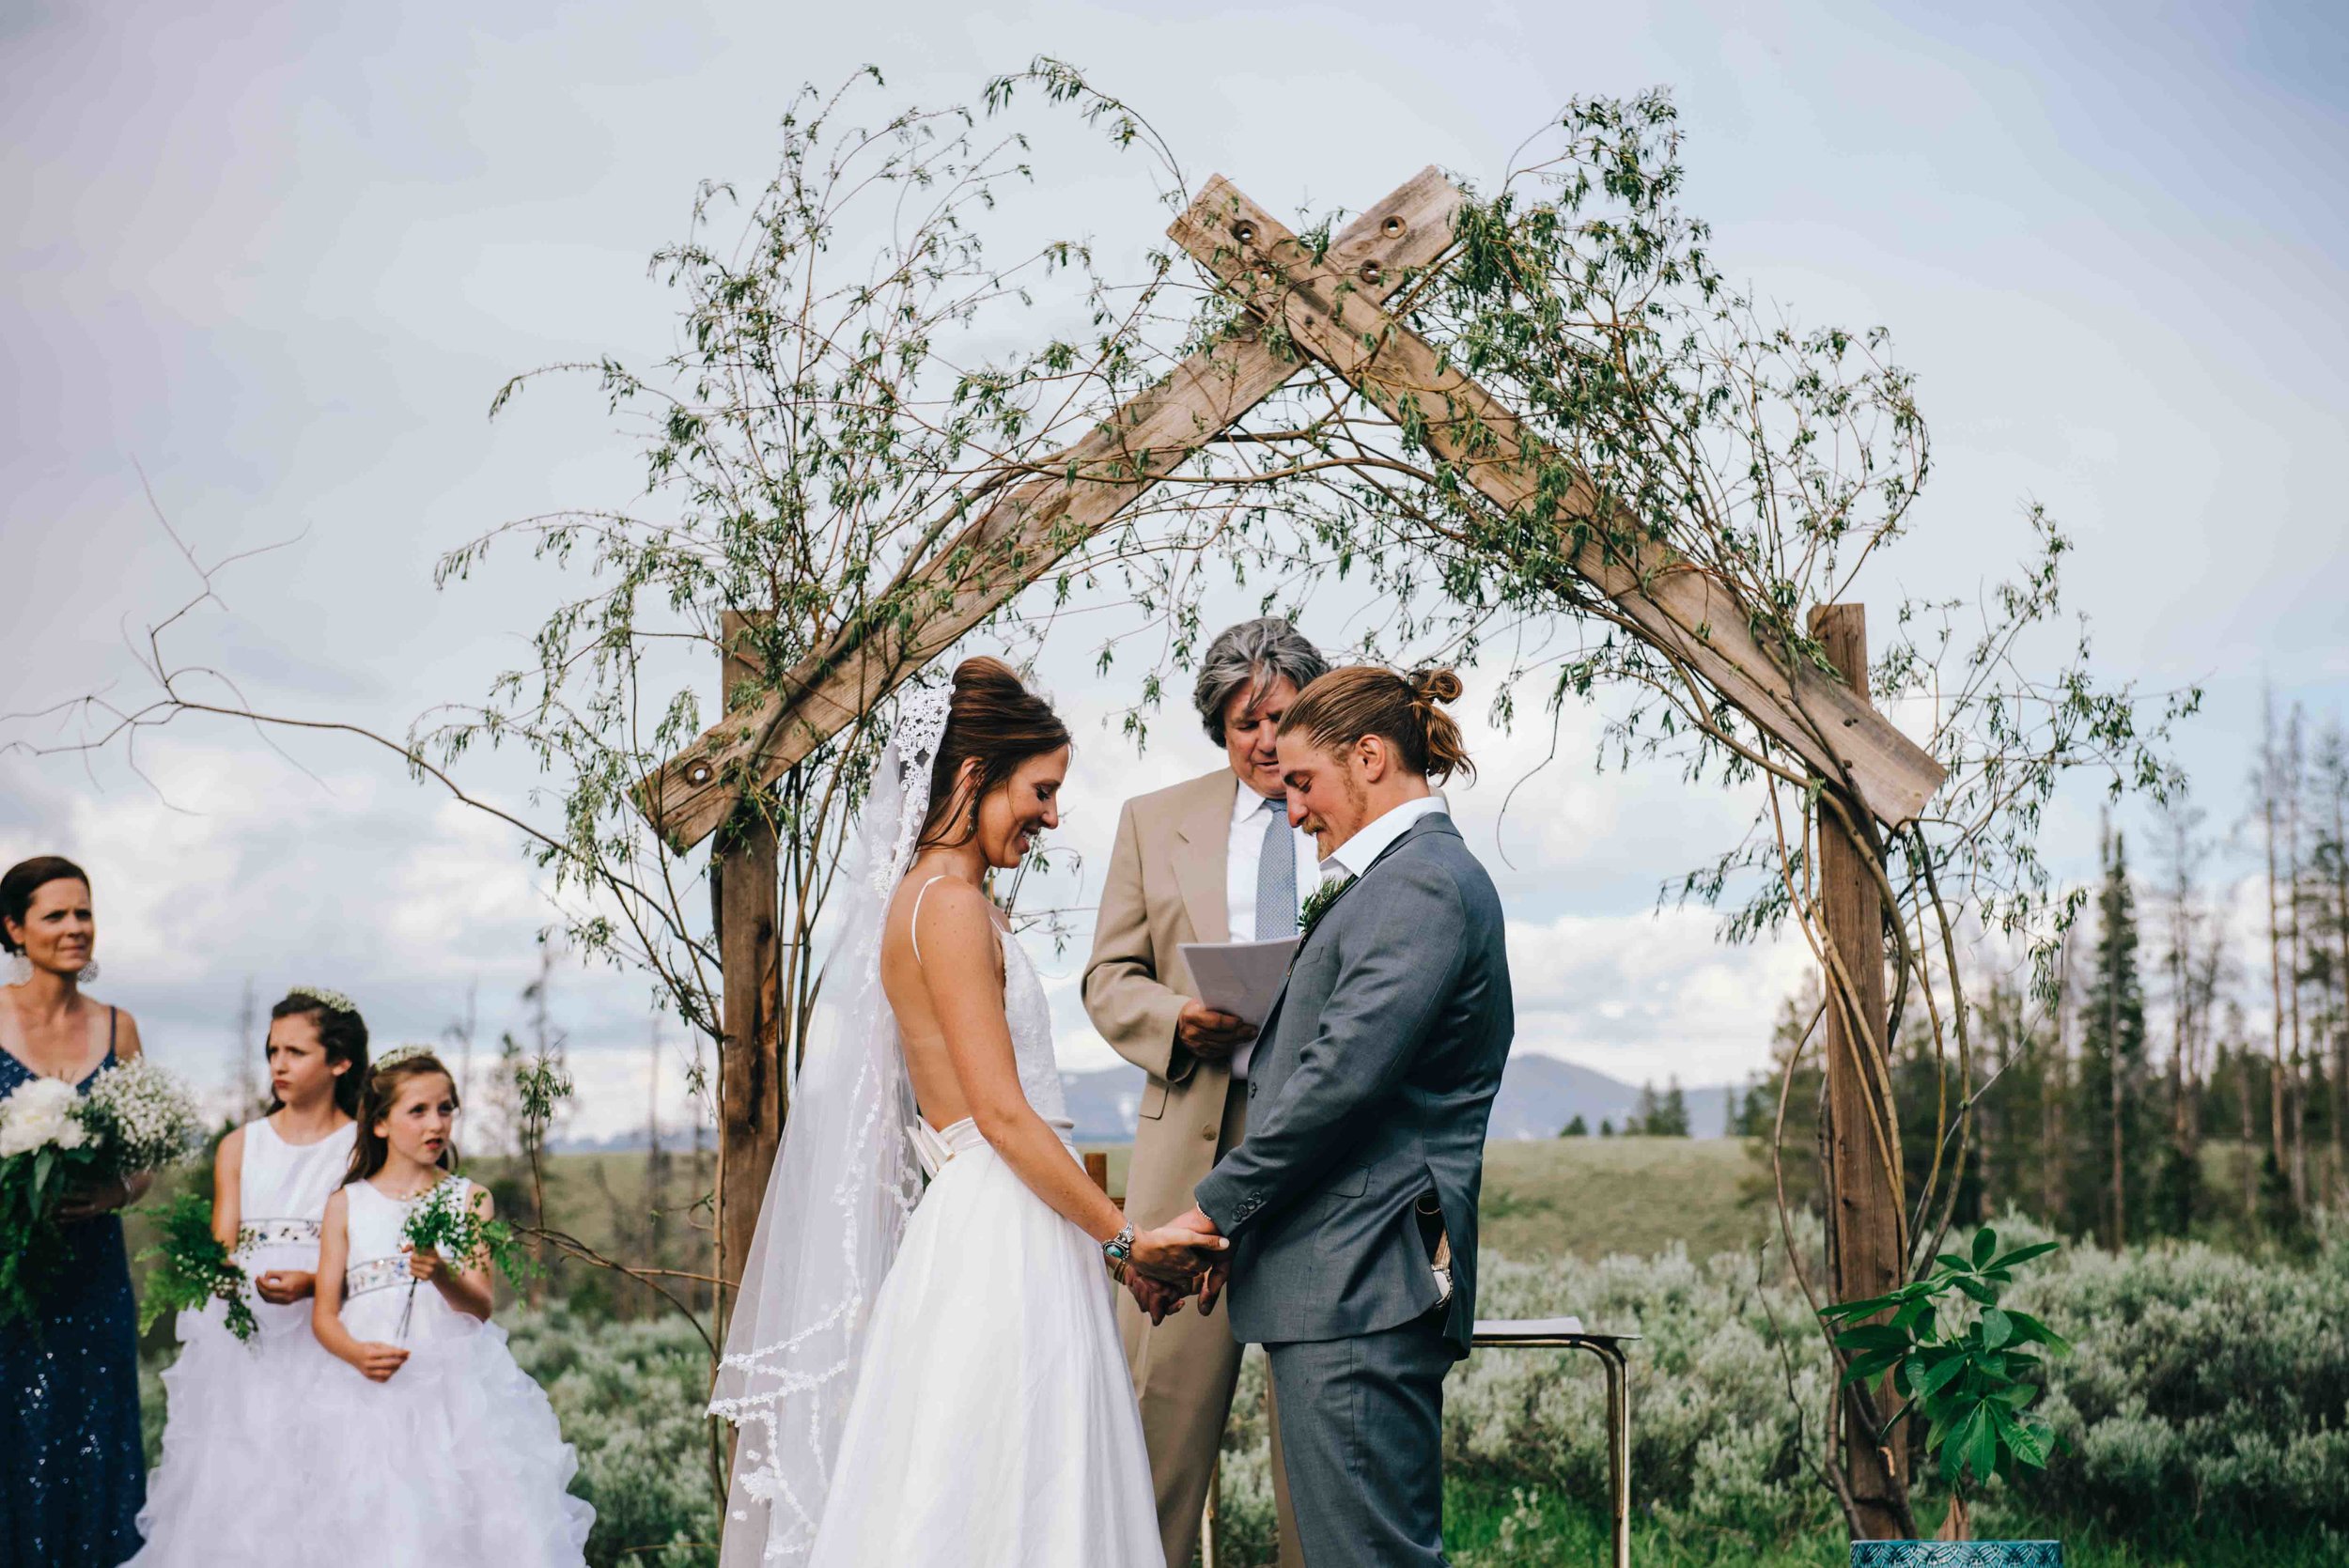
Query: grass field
{"type": "Point", "coordinates": [1592, 1196]}
{"type": "Point", "coordinates": [1587, 1197]}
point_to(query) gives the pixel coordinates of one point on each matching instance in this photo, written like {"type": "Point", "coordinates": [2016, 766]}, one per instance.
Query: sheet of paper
{"type": "Point", "coordinates": [1241, 978]}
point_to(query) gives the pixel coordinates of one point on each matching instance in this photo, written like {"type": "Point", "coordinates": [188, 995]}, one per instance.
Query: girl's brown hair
{"type": "Point", "coordinates": [1347, 703]}
{"type": "Point", "coordinates": [343, 1032]}
{"type": "Point", "coordinates": [994, 719]}
{"type": "Point", "coordinates": [370, 1149]}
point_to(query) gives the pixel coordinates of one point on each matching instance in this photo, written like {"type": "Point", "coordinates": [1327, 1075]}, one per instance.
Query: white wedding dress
{"type": "Point", "coordinates": [923, 1378]}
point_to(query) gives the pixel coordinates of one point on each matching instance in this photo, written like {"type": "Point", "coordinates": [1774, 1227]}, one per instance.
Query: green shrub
{"type": "Point", "coordinates": [2206, 1386]}
{"type": "Point", "coordinates": [630, 1396]}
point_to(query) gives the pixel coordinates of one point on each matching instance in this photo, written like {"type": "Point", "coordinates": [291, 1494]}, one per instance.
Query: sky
{"type": "Point", "coordinates": [268, 265]}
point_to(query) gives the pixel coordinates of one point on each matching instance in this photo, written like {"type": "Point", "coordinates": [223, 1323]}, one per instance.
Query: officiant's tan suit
{"type": "Point", "coordinates": [1166, 887]}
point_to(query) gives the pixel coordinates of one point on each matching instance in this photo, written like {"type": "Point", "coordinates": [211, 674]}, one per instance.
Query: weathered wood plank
{"type": "Point", "coordinates": [1681, 608]}
{"type": "Point", "coordinates": [1023, 534]}
{"type": "Point", "coordinates": [751, 1078]}
{"type": "Point", "coordinates": [1870, 1247]}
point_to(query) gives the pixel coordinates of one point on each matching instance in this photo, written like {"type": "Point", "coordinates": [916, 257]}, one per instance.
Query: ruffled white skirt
{"type": "Point", "coordinates": [457, 1462]}
{"type": "Point", "coordinates": [230, 1410]}
{"type": "Point", "coordinates": [994, 1421]}
{"type": "Point", "coordinates": [232, 1413]}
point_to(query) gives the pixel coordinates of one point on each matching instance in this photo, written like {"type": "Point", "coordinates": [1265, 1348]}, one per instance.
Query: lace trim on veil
{"type": "Point", "coordinates": [843, 1182]}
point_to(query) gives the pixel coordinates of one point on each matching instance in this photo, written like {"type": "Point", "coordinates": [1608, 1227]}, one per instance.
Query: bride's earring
{"type": "Point", "coordinates": [20, 970]}
{"type": "Point", "coordinates": [89, 974]}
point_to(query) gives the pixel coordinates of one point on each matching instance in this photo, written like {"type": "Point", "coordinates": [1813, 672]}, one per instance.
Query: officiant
{"type": "Point", "coordinates": [1210, 860]}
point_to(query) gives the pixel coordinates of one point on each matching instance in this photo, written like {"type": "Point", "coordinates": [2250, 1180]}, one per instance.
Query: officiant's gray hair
{"type": "Point", "coordinates": [1257, 652]}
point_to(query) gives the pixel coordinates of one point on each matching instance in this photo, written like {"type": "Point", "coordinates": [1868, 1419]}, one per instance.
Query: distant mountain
{"type": "Point", "coordinates": [1539, 1095]}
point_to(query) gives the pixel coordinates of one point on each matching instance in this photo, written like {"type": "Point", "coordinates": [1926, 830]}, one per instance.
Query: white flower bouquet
{"type": "Point", "coordinates": [136, 1118]}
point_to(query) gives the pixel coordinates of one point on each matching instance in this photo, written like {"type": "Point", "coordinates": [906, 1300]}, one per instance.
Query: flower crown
{"type": "Point", "coordinates": [325, 997]}
{"type": "Point", "coordinates": [399, 1054]}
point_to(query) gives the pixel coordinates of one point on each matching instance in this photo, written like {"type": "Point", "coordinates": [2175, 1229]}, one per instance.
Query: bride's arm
{"type": "Point", "coordinates": [960, 953]}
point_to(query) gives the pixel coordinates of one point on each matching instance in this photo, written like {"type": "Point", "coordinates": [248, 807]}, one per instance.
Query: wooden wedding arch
{"type": "Point", "coordinates": [1330, 308]}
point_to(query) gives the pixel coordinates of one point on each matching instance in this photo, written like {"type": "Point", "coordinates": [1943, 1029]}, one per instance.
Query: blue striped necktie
{"type": "Point", "coordinates": [1276, 876]}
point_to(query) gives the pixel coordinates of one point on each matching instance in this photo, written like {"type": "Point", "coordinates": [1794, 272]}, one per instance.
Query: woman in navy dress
{"type": "Point", "coordinates": [72, 1472]}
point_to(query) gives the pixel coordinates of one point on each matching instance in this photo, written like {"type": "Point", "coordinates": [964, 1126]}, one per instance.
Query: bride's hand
{"type": "Point", "coordinates": [1177, 1254]}
{"type": "Point", "coordinates": [1158, 1302]}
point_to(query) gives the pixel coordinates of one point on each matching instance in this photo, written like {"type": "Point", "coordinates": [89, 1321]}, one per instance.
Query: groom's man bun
{"type": "Point", "coordinates": [1347, 703]}
{"type": "Point", "coordinates": [993, 716]}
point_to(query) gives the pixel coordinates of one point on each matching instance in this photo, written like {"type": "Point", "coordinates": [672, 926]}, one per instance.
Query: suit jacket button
{"type": "Point", "coordinates": [1207, 1132]}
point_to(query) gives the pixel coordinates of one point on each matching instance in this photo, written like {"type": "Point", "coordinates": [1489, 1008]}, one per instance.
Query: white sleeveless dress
{"type": "Point", "coordinates": [231, 1405]}
{"type": "Point", "coordinates": [993, 1421]}
{"type": "Point", "coordinates": [457, 1462]}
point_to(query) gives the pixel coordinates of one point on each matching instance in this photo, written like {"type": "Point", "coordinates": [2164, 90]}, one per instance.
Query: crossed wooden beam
{"type": "Point", "coordinates": [1330, 308]}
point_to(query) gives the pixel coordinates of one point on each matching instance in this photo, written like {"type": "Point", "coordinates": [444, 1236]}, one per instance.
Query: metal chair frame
{"type": "Point", "coordinates": [1566, 1334]}
{"type": "Point", "coordinates": [1538, 1334]}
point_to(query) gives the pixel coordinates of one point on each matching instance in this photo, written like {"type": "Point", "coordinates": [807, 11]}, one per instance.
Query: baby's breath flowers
{"type": "Point", "coordinates": [325, 997]}
{"type": "Point", "coordinates": [135, 1118]}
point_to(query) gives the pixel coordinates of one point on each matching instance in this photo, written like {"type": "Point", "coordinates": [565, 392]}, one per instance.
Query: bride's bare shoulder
{"type": "Point", "coordinates": [943, 914]}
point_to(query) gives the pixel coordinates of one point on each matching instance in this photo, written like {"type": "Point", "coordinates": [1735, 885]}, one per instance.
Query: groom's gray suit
{"type": "Point", "coordinates": [1368, 1098]}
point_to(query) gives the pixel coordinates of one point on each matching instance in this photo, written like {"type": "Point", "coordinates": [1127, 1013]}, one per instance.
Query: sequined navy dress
{"type": "Point", "coordinates": [71, 1471]}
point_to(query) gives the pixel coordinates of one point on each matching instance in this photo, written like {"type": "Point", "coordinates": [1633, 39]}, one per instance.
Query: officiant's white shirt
{"type": "Point", "coordinates": [1243, 853]}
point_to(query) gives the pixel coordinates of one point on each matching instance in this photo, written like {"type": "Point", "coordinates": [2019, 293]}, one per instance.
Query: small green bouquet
{"type": "Point", "coordinates": [135, 1118]}
{"type": "Point", "coordinates": [192, 1267]}
{"type": "Point", "coordinates": [443, 1222]}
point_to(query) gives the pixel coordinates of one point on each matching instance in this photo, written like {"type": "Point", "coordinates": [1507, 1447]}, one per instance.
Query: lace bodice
{"type": "Point", "coordinates": [1031, 1018]}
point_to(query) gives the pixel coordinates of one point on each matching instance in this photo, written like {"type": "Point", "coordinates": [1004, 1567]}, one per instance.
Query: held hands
{"type": "Point", "coordinates": [1176, 1255]}
{"type": "Point", "coordinates": [1159, 1301]}
{"type": "Point", "coordinates": [1218, 1272]}
{"type": "Point", "coordinates": [283, 1287]}
{"type": "Point", "coordinates": [1210, 1034]}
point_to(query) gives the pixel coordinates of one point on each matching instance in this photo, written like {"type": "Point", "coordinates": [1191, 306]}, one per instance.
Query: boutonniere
{"type": "Point", "coordinates": [1317, 904]}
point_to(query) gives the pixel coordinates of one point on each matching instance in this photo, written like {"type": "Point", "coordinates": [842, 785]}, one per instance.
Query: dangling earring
{"type": "Point", "coordinates": [20, 970]}
{"type": "Point", "coordinates": [89, 974]}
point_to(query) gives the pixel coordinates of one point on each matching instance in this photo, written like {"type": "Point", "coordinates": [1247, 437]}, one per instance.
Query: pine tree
{"type": "Point", "coordinates": [1642, 1122]}
{"type": "Point", "coordinates": [2110, 1182]}
{"type": "Point", "coordinates": [1575, 1128]}
{"type": "Point", "coordinates": [1670, 1119]}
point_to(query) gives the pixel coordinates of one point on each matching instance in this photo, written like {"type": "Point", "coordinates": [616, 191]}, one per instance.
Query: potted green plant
{"type": "Point", "coordinates": [1967, 1368]}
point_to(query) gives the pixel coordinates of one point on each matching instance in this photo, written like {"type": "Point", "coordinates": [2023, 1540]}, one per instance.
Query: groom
{"type": "Point", "coordinates": [1352, 1202]}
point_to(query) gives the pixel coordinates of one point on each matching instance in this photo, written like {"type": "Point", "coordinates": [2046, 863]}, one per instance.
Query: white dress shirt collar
{"type": "Point", "coordinates": [1353, 856]}
{"type": "Point", "coordinates": [1248, 806]}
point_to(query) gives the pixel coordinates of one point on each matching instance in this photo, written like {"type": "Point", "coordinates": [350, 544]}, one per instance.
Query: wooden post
{"type": "Point", "coordinates": [744, 896]}
{"type": "Point", "coordinates": [1867, 1197]}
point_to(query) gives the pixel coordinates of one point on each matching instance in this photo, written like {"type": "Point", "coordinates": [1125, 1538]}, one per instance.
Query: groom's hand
{"type": "Point", "coordinates": [1210, 1034]}
{"type": "Point", "coordinates": [1177, 1254]}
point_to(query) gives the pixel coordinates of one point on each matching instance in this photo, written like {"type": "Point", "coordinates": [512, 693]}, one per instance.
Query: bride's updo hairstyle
{"type": "Point", "coordinates": [1347, 703]}
{"type": "Point", "coordinates": [997, 720]}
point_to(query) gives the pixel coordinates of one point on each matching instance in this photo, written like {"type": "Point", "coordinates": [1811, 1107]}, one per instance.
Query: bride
{"type": "Point", "coordinates": [931, 1374]}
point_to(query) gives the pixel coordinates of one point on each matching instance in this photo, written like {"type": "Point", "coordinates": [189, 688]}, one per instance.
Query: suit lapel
{"type": "Point", "coordinates": [1203, 832]}
{"type": "Point", "coordinates": [1425, 824]}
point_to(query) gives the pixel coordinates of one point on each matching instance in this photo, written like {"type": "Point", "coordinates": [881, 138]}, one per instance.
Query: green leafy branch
{"type": "Point", "coordinates": [192, 1267]}
{"type": "Point", "coordinates": [1968, 1366]}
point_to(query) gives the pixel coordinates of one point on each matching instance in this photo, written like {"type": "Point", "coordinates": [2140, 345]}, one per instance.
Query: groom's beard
{"type": "Point", "coordinates": [1327, 836]}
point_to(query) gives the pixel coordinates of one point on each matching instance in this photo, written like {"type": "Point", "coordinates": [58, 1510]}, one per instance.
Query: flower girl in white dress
{"type": "Point", "coordinates": [424, 1445]}
{"type": "Point", "coordinates": [232, 1403]}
